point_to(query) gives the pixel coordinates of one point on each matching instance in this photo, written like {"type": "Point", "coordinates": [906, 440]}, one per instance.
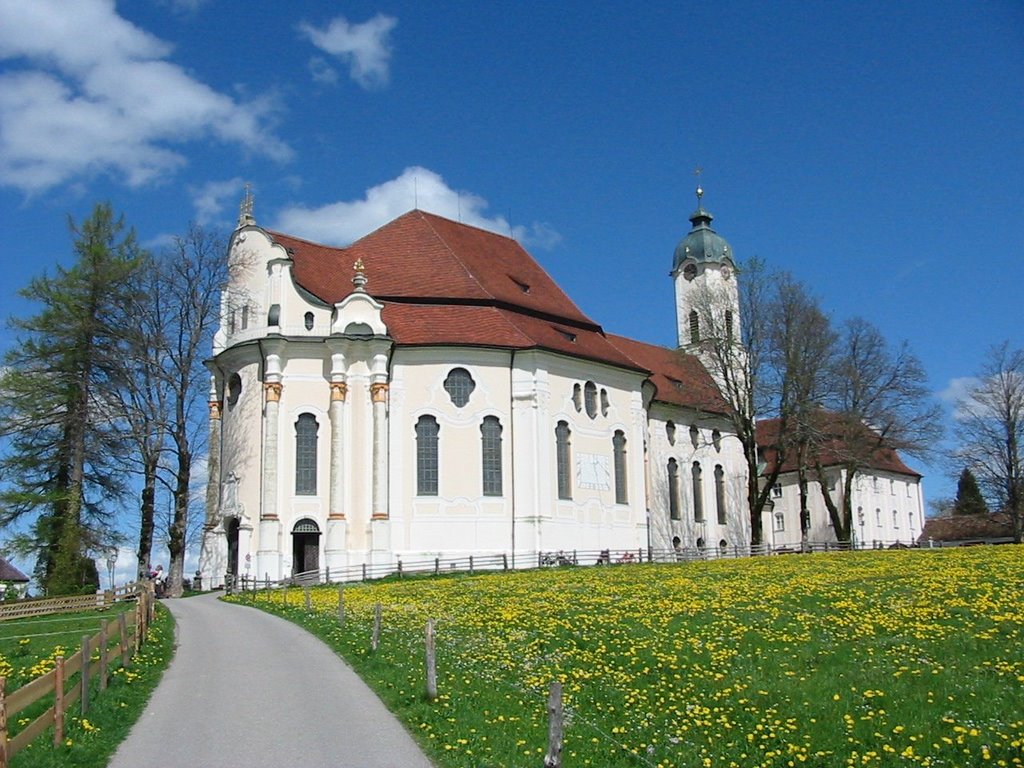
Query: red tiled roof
{"type": "Point", "coordinates": [884, 459]}
{"type": "Point", "coordinates": [678, 378]}
{"type": "Point", "coordinates": [446, 283]}
{"type": "Point", "coordinates": [967, 528]}
{"type": "Point", "coordinates": [9, 573]}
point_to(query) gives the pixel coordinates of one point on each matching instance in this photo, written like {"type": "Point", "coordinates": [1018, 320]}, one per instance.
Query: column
{"type": "Point", "coordinates": [213, 468]}
{"type": "Point", "coordinates": [267, 557]}
{"type": "Point", "coordinates": [336, 542]}
{"type": "Point", "coordinates": [380, 531]}
{"type": "Point", "coordinates": [379, 396]}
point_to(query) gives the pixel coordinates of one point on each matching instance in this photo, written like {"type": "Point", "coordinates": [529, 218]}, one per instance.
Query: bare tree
{"type": "Point", "coordinates": [802, 344]}
{"type": "Point", "coordinates": [880, 403]}
{"type": "Point", "coordinates": [990, 429]}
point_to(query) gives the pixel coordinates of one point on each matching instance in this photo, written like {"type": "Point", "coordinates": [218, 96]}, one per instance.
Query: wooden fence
{"type": "Point", "coordinates": [117, 641]}
{"type": "Point", "coordinates": [101, 600]}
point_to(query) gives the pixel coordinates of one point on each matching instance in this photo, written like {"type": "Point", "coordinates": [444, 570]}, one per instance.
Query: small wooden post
{"type": "Point", "coordinates": [364, 571]}
{"type": "Point", "coordinates": [504, 561]}
{"type": "Point", "coordinates": [341, 605]}
{"type": "Point", "coordinates": [327, 575]}
{"type": "Point", "coordinates": [122, 625]}
{"type": "Point", "coordinates": [86, 663]}
{"type": "Point", "coordinates": [470, 565]}
{"type": "Point", "coordinates": [399, 569]}
{"type": "Point", "coordinates": [431, 661]}
{"type": "Point", "coordinates": [375, 640]}
{"type": "Point", "coordinates": [305, 595]}
{"type": "Point", "coordinates": [553, 759]}
{"type": "Point", "coordinates": [3, 722]}
{"type": "Point", "coordinates": [58, 703]}
{"type": "Point", "coordinates": [103, 655]}
{"type": "Point", "coordinates": [437, 565]}
{"type": "Point", "coordinates": [138, 622]}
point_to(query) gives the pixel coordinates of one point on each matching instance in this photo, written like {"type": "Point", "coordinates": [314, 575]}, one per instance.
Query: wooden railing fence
{"type": "Point", "coordinates": [101, 600]}
{"type": "Point", "coordinates": [117, 641]}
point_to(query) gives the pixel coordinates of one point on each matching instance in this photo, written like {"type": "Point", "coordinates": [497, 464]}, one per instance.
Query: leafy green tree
{"type": "Point", "coordinates": [969, 500]}
{"type": "Point", "coordinates": [56, 393]}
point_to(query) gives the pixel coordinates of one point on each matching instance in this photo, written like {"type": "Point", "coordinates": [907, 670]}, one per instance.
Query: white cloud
{"type": "Point", "coordinates": [365, 47]}
{"type": "Point", "coordinates": [105, 100]}
{"type": "Point", "coordinates": [957, 395]}
{"type": "Point", "coordinates": [322, 72]}
{"type": "Point", "coordinates": [211, 198]}
{"type": "Point", "coordinates": [343, 222]}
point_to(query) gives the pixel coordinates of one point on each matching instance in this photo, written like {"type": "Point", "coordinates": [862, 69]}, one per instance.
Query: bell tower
{"type": "Point", "coordinates": [707, 297]}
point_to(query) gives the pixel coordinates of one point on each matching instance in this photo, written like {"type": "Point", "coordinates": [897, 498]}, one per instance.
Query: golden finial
{"type": "Point", "coordinates": [359, 281]}
{"type": "Point", "coordinates": [358, 266]}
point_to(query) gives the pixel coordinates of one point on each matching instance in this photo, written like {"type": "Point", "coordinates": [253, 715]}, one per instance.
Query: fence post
{"type": "Point", "coordinates": [431, 661]}
{"type": "Point", "coordinates": [470, 565]}
{"type": "Point", "coordinates": [103, 655]}
{"type": "Point", "coordinates": [305, 595]}
{"type": "Point", "coordinates": [58, 702]}
{"type": "Point", "coordinates": [504, 561]}
{"type": "Point", "coordinates": [437, 565]}
{"type": "Point", "coordinates": [364, 571]}
{"type": "Point", "coordinates": [85, 674]}
{"type": "Point", "coordinates": [341, 605]}
{"type": "Point", "coordinates": [122, 625]}
{"type": "Point", "coordinates": [375, 640]}
{"type": "Point", "coordinates": [540, 559]}
{"type": "Point", "coordinates": [399, 569]}
{"type": "Point", "coordinates": [553, 759]}
{"type": "Point", "coordinates": [327, 575]}
{"type": "Point", "coordinates": [3, 722]}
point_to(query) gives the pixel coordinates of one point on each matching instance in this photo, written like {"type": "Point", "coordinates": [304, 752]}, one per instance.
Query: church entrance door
{"type": "Point", "coordinates": [233, 546]}
{"type": "Point", "coordinates": [305, 547]}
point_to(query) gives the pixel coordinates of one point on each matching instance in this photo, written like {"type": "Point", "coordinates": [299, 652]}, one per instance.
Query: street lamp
{"type": "Point", "coordinates": [111, 562]}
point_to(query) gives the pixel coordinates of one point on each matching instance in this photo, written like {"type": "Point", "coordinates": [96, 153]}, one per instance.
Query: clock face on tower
{"type": "Point", "coordinates": [726, 271]}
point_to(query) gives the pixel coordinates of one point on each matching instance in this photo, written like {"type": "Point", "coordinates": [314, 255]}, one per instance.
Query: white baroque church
{"type": "Point", "coordinates": [429, 391]}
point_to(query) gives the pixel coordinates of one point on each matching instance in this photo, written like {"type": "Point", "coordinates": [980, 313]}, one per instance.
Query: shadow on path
{"type": "Point", "coordinates": [249, 689]}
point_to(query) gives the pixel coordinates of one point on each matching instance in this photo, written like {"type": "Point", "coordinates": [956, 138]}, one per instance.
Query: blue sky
{"type": "Point", "coordinates": [874, 149]}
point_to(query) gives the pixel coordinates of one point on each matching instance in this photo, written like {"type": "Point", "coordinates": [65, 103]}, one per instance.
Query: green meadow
{"type": "Point", "coordinates": [847, 659]}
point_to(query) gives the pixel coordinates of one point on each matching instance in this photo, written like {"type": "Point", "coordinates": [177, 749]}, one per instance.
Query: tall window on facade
{"type": "Point", "coordinates": [619, 453]}
{"type": "Point", "coordinates": [670, 432]}
{"type": "Point", "coordinates": [694, 436]}
{"type": "Point", "coordinates": [673, 490]}
{"type": "Point", "coordinates": [307, 321]}
{"type": "Point", "coordinates": [490, 446]}
{"type": "Point", "coordinates": [728, 325]}
{"type": "Point", "coordinates": [577, 397]}
{"type": "Point", "coordinates": [590, 398]}
{"type": "Point", "coordinates": [459, 385]}
{"type": "Point", "coordinates": [698, 494]}
{"type": "Point", "coordinates": [305, 455]}
{"type": "Point", "coordinates": [720, 493]}
{"type": "Point", "coordinates": [694, 327]}
{"type": "Point", "coordinates": [245, 317]}
{"type": "Point", "coordinates": [563, 460]}
{"type": "Point", "coordinates": [426, 456]}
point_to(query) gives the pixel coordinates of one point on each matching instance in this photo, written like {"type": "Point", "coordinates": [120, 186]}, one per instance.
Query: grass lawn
{"type": "Point", "coordinates": [844, 659]}
{"type": "Point", "coordinates": [28, 648]}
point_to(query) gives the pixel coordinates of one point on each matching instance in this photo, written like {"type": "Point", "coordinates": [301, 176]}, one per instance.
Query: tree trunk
{"type": "Point", "coordinates": [148, 513]}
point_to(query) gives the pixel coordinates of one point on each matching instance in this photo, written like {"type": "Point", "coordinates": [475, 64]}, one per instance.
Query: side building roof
{"type": "Point", "coordinates": [830, 451]}
{"type": "Point", "coordinates": [9, 573]}
{"type": "Point", "coordinates": [446, 283]}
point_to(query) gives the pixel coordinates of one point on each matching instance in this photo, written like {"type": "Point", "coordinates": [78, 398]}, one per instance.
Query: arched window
{"type": "Point", "coordinates": [305, 454]}
{"type": "Point", "coordinates": [459, 385]}
{"type": "Point", "coordinates": [694, 327]}
{"type": "Point", "coordinates": [619, 454]}
{"type": "Point", "coordinates": [274, 315]}
{"type": "Point", "coordinates": [426, 456]}
{"type": "Point", "coordinates": [698, 495]}
{"type": "Point", "coordinates": [307, 320]}
{"type": "Point", "coordinates": [245, 317]}
{"type": "Point", "coordinates": [670, 432]}
{"type": "Point", "coordinates": [895, 519]}
{"type": "Point", "coordinates": [604, 402]}
{"type": "Point", "coordinates": [673, 490]}
{"type": "Point", "coordinates": [728, 325]}
{"type": "Point", "coordinates": [694, 436]}
{"type": "Point", "coordinates": [720, 493]}
{"type": "Point", "coordinates": [490, 446]}
{"type": "Point", "coordinates": [716, 440]}
{"type": "Point", "coordinates": [590, 398]}
{"type": "Point", "coordinates": [562, 458]}
{"type": "Point", "coordinates": [577, 397]}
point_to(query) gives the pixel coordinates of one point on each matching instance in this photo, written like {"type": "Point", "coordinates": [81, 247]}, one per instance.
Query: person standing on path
{"type": "Point", "coordinates": [252, 690]}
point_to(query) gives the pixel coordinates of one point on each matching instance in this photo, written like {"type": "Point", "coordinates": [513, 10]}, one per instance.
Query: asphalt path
{"type": "Point", "coordinates": [248, 689]}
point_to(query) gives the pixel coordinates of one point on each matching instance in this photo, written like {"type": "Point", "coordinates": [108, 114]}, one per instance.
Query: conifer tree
{"type": "Point", "coordinates": [969, 500]}
{"type": "Point", "coordinates": [64, 439]}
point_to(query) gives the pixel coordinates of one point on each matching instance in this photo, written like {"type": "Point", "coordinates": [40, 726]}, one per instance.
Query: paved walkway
{"type": "Point", "coordinates": [248, 689]}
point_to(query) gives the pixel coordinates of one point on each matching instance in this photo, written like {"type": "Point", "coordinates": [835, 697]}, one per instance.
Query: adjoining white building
{"type": "Point", "coordinates": [887, 504]}
{"type": "Point", "coordinates": [430, 391]}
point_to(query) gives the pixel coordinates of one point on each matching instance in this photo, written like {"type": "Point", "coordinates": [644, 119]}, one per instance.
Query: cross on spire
{"type": "Point", "coordinates": [245, 209]}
